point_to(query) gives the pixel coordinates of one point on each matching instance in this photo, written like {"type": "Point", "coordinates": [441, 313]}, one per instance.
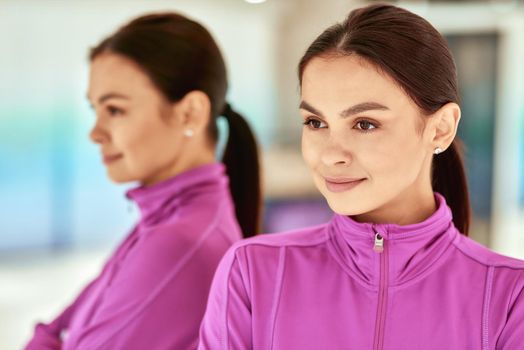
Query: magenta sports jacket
{"type": "Point", "coordinates": [350, 285]}
{"type": "Point", "coordinates": [152, 292]}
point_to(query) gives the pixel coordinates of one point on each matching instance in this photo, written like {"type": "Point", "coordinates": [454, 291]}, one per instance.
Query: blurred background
{"type": "Point", "coordinates": [60, 216]}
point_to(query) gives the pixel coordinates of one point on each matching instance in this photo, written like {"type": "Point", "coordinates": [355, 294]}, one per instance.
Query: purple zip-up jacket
{"type": "Point", "coordinates": [339, 286]}
{"type": "Point", "coordinates": [152, 292]}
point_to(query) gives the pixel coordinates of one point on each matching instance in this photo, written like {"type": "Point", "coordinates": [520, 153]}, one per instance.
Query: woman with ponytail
{"type": "Point", "coordinates": [157, 87]}
{"type": "Point", "coordinates": [394, 268]}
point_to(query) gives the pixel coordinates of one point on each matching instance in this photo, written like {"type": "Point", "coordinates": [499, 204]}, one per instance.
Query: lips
{"type": "Point", "coordinates": [110, 158]}
{"type": "Point", "coordinates": [342, 184]}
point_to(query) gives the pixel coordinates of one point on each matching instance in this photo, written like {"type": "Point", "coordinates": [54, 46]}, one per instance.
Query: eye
{"type": "Point", "coordinates": [365, 125]}
{"type": "Point", "coordinates": [313, 123]}
{"type": "Point", "coordinates": [114, 111]}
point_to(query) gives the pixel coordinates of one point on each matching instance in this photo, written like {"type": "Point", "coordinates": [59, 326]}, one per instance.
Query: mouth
{"type": "Point", "coordinates": [342, 184]}
{"type": "Point", "coordinates": [108, 159]}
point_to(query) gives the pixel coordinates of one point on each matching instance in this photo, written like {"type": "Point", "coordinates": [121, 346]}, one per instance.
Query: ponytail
{"type": "Point", "coordinates": [243, 169]}
{"type": "Point", "coordinates": [449, 179]}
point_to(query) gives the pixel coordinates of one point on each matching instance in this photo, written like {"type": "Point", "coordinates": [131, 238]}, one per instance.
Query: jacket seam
{"type": "Point", "coordinates": [280, 245]}
{"type": "Point", "coordinates": [487, 264]}
{"type": "Point", "coordinates": [252, 241]}
{"type": "Point", "coordinates": [152, 297]}
{"type": "Point", "coordinates": [485, 313]}
{"type": "Point", "coordinates": [243, 271]}
{"type": "Point", "coordinates": [225, 332]}
{"type": "Point", "coordinates": [277, 293]}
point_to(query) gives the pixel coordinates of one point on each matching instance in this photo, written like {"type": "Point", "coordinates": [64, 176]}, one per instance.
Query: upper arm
{"type": "Point", "coordinates": [227, 322]}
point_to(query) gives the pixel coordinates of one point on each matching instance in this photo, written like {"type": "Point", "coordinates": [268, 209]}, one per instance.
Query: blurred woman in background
{"type": "Point", "coordinates": [394, 268]}
{"type": "Point", "coordinates": [157, 86]}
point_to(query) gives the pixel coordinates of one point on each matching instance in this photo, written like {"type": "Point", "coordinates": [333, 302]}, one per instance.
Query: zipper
{"type": "Point", "coordinates": [380, 247]}
{"type": "Point", "coordinates": [379, 243]}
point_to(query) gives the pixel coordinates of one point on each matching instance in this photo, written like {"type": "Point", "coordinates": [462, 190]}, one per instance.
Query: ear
{"type": "Point", "coordinates": [445, 124]}
{"type": "Point", "coordinates": [193, 111]}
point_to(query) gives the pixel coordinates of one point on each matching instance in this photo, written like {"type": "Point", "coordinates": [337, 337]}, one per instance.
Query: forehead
{"type": "Point", "coordinates": [110, 73]}
{"type": "Point", "coordinates": [346, 80]}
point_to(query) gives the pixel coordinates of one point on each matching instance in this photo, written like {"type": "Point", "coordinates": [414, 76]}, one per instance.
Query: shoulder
{"type": "Point", "coordinates": [268, 247]}
{"type": "Point", "coordinates": [305, 237]}
{"type": "Point", "coordinates": [502, 270]}
{"type": "Point", "coordinates": [186, 241]}
{"type": "Point", "coordinates": [264, 255]}
{"type": "Point", "coordinates": [186, 229]}
{"type": "Point", "coordinates": [485, 256]}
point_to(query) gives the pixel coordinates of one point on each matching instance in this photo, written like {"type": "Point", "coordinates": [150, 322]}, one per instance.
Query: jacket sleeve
{"type": "Point", "coordinates": [48, 336]}
{"type": "Point", "coordinates": [227, 323]}
{"type": "Point", "coordinates": [512, 336]}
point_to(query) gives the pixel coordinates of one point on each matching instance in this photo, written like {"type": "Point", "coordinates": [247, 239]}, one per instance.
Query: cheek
{"type": "Point", "coordinates": [134, 142]}
{"type": "Point", "coordinates": [310, 149]}
{"type": "Point", "coordinates": [143, 145]}
{"type": "Point", "coordinates": [399, 160]}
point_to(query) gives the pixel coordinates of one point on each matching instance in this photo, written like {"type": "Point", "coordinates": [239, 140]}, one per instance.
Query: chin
{"type": "Point", "coordinates": [350, 203]}
{"type": "Point", "coordinates": [345, 209]}
{"type": "Point", "coordinates": [118, 181]}
{"type": "Point", "coordinates": [119, 178]}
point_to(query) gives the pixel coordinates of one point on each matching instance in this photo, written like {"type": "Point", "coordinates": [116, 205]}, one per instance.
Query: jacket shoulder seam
{"type": "Point", "coordinates": [507, 264]}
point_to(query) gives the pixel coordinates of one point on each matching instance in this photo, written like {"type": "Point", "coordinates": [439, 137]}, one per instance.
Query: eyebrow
{"type": "Point", "coordinates": [108, 96]}
{"type": "Point", "coordinates": [358, 108]}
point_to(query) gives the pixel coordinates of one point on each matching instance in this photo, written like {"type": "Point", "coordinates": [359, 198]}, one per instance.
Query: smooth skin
{"type": "Point", "coordinates": [360, 125]}
{"type": "Point", "coordinates": [142, 136]}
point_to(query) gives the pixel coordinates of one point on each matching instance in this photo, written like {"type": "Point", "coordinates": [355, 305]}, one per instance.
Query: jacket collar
{"type": "Point", "coordinates": [411, 249]}
{"type": "Point", "coordinates": [162, 198]}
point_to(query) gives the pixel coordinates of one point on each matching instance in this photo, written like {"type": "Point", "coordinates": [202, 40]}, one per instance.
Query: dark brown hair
{"type": "Point", "coordinates": [411, 51]}
{"type": "Point", "coordinates": [179, 55]}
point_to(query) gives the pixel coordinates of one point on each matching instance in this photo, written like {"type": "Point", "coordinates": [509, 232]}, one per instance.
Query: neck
{"type": "Point", "coordinates": [181, 165]}
{"type": "Point", "coordinates": [411, 206]}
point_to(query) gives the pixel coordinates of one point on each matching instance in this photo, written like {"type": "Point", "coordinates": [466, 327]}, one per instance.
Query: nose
{"type": "Point", "coordinates": [336, 153]}
{"type": "Point", "coordinates": [98, 134]}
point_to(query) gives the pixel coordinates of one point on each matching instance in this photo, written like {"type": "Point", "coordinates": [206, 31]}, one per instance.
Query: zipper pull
{"type": "Point", "coordinates": [379, 243]}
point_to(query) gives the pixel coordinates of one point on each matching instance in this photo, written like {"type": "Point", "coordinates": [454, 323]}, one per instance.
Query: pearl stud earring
{"type": "Point", "coordinates": [188, 133]}
{"type": "Point", "coordinates": [438, 150]}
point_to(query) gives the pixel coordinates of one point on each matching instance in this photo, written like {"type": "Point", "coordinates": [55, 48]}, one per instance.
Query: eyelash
{"type": "Point", "coordinates": [375, 126]}
{"type": "Point", "coordinates": [114, 111]}
{"type": "Point", "coordinates": [309, 120]}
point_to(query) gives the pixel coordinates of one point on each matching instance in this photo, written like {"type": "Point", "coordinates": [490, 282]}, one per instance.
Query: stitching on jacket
{"type": "Point", "coordinates": [485, 313]}
{"type": "Point", "coordinates": [237, 261]}
{"type": "Point", "coordinates": [245, 279]}
{"type": "Point", "coordinates": [226, 307]}
{"type": "Point", "coordinates": [286, 239]}
{"type": "Point", "coordinates": [278, 291]}
{"type": "Point", "coordinates": [509, 262]}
